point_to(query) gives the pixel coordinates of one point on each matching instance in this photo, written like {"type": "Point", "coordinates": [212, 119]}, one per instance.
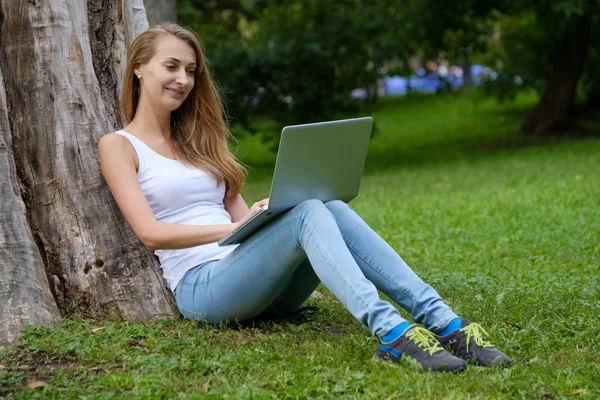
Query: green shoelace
{"type": "Point", "coordinates": [425, 340]}
{"type": "Point", "coordinates": [476, 332]}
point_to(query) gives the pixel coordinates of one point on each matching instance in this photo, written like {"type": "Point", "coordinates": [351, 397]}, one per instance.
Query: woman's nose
{"type": "Point", "coordinates": [182, 77]}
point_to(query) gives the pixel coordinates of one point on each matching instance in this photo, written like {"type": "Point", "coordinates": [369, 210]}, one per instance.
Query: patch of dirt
{"type": "Point", "coordinates": [337, 330]}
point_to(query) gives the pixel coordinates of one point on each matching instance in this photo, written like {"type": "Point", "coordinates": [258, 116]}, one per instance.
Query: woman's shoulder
{"type": "Point", "coordinates": [113, 137]}
{"type": "Point", "coordinates": [116, 143]}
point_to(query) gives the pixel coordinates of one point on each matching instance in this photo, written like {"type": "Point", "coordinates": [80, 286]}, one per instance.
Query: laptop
{"type": "Point", "coordinates": [323, 161]}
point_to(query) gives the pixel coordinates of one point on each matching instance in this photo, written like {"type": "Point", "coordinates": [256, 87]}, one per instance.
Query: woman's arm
{"type": "Point", "coordinates": [239, 211]}
{"type": "Point", "coordinates": [236, 207]}
{"type": "Point", "coordinates": [118, 163]}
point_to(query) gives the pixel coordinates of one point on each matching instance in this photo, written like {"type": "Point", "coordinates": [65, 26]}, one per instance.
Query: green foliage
{"type": "Point", "coordinates": [517, 38]}
{"type": "Point", "coordinates": [298, 61]}
{"type": "Point", "coordinates": [295, 61]}
{"type": "Point", "coordinates": [590, 82]}
{"type": "Point", "coordinates": [512, 56]}
{"type": "Point", "coordinates": [505, 230]}
{"type": "Point", "coordinates": [529, 37]}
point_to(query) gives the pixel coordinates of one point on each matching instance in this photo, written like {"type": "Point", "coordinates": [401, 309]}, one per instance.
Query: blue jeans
{"type": "Point", "coordinates": [278, 268]}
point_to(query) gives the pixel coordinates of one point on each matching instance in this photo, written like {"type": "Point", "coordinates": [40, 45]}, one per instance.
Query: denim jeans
{"type": "Point", "coordinates": [278, 268]}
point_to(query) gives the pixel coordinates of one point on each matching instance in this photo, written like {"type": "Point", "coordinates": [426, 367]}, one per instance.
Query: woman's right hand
{"type": "Point", "coordinates": [256, 207]}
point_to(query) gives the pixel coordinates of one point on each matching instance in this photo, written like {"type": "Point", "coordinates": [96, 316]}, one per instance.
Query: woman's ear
{"type": "Point", "coordinates": [137, 70]}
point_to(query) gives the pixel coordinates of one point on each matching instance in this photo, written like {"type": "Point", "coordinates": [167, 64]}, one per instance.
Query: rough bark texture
{"type": "Point", "coordinates": [109, 39]}
{"type": "Point", "coordinates": [24, 290]}
{"type": "Point", "coordinates": [61, 83]}
{"type": "Point", "coordinates": [161, 11]}
{"type": "Point", "coordinates": [554, 111]}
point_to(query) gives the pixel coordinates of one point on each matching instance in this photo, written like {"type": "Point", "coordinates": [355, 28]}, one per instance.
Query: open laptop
{"type": "Point", "coordinates": [322, 161]}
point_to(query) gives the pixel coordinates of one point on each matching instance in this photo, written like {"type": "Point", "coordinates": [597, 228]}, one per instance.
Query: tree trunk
{"type": "Point", "coordinates": [465, 65]}
{"type": "Point", "coordinates": [24, 291]}
{"type": "Point", "coordinates": [62, 63]}
{"type": "Point", "coordinates": [161, 11]}
{"type": "Point", "coordinates": [554, 111]}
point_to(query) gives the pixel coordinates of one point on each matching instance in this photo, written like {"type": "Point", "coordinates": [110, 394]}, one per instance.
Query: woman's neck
{"type": "Point", "coordinates": [149, 123]}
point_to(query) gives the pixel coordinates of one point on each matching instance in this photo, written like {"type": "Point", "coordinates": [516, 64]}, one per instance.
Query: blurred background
{"type": "Point", "coordinates": [482, 173]}
{"type": "Point", "coordinates": [287, 62]}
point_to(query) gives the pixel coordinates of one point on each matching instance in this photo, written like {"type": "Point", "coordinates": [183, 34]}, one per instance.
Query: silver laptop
{"type": "Point", "coordinates": [322, 161]}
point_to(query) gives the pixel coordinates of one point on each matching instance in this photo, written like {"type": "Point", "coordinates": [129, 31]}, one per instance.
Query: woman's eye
{"type": "Point", "coordinates": [170, 67]}
{"type": "Point", "coordinates": [191, 72]}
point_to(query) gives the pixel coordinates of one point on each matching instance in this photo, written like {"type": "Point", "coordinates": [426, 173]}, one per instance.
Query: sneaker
{"type": "Point", "coordinates": [418, 349]}
{"type": "Point", "coordinates": [469, 344]}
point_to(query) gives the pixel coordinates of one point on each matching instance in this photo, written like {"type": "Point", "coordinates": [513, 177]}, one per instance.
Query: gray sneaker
{"type": "Point", "coordinates": [469, 344]}
{"type": "Point", "coordinates": [418, 349]}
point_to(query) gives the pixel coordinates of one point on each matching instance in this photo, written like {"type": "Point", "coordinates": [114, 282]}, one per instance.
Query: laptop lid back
{"type": "Point", "coordinates": [322, 161]}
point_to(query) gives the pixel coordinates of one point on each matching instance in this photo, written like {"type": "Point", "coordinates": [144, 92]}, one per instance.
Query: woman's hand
{"type": "Point", "coordinates": [256, 207]}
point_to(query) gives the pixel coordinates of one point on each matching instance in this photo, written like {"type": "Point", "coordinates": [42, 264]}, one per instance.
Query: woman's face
{"type": "Point", "coordinates": [168, 78]}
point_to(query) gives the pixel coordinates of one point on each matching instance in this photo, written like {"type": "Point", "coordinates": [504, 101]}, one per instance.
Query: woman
{"type": "Point", "coordinates": [178, 186]}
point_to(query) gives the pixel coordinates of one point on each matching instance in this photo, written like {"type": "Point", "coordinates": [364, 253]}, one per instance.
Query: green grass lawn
{"type": "Point", "coordinates": [505, 229]}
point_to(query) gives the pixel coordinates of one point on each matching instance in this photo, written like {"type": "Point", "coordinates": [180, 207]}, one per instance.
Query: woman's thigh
{"type": "Point", "coordinates": [244, 283]}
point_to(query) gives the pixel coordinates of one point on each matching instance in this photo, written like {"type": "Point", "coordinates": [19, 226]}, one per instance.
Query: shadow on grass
{"type": "Point", "coordinates": [304, 314]}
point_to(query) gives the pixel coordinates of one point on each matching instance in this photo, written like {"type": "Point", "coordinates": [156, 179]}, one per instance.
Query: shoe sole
{"type": "Point", "coordinates": [498, 362]}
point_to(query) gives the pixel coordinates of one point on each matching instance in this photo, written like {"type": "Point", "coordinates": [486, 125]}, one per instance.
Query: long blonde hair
{"type": "Point", "coordinates": [199, 130]}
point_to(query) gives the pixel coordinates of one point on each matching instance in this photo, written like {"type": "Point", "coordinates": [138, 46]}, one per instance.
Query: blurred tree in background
{"type": "Point", "coordinates": [548, 45]}
{"type": "Point", "coordinates": [159, 11]}
{"type": "Point", "coordinates": [298, 61]}
{"type": "Point", "coordinates": [295, 61]}
{"type": "Point", "coordinates": [553, 45]}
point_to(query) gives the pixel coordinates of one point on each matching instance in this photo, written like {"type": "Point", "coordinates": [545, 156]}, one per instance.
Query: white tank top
{"type": "Point", "coordinates": [180, 194]}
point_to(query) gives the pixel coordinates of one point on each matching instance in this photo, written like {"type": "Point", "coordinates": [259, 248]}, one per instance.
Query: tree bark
{"type": "Point", "coordinates": [24, 291]}
{"type": "Point", "coordinates": [554, 111]}
{"type": "Point", "coordinates": [62, 63]}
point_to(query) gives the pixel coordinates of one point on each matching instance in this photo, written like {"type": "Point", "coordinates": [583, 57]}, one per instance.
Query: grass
{"type": "Point", "coordinates": [505, 229]}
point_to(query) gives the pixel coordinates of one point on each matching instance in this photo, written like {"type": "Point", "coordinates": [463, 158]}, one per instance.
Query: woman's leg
{"type": "Point", "coordinates": [382, 265]}
{"type": "Point", "coordinates": [296, 291]}
{"type": "Point", "coordinates": [244, 283]}
{"type": "Point", "coordinates": [390, 274]}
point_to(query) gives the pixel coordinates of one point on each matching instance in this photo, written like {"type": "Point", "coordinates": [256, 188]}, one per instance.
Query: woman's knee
{"type": "Point", "coordinates": [311, 206]}
{"type": "Point", "coordinates": [313, 210]}
{"type": "Point", "coordinates": [312, 203]}
{"type": "Point", "coordinates": [337, 206]}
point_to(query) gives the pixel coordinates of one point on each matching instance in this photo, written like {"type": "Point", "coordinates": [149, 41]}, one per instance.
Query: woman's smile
{"type": "Point", "coordinates": [177, 93]}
